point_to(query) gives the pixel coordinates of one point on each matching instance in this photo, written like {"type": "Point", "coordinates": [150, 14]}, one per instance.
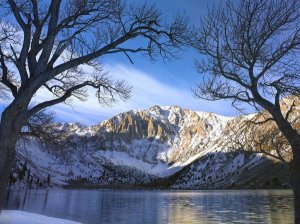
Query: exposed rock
{"type": "Point", "coordinates": [192, 148]}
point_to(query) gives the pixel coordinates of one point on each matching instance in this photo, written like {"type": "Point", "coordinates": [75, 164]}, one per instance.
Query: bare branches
{"type": "Point", "coordinates": [107, 91]}
{"type": "Point", "coordinates": [290, 110]}
{"type": "Point", "coordinates": [7, 36]}
{"type": "Point", "coordinates": [262, 122]}
{"type": "Point", "coordinates": [4, 79]}
{"type": "Point", "coordinates": [251, 52]}
{"type": "Point", "coordinates": [258, 135]}
{"type": "Point", "coordinates": [245, 62]}
{"type": "Point", "coordinates": [245, 44]}
{"type": "Point", "coordinates": [41, 126]}
{"type": "Point", "coordinates": [59, 38]}
{"type": "Point", "coordinates": [60, 41]}
{"type": "Point", "coordinates": [160, 39]}
{"type": "Point", "coordinates": [17, 14]}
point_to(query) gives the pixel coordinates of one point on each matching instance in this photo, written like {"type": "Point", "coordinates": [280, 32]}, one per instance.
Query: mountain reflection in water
{"type": "Point", "coordinates": [140, 206]}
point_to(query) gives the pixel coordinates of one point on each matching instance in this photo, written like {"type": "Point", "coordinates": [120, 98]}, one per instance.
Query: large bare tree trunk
{"type": "Point", "coordinates": [7, 151]}
{"type": "Point", "coordinates": [293, 137]}
{"type": "Point", "coordinates": [9, 131]}
{"type": "Point", "coordinates": [296, 190]}
{"type": "Point", "coordinates": [295, 179]}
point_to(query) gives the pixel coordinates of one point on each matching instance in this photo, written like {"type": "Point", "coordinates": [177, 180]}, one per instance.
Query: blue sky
{"type": "Point", "coordinates": [154, 83]}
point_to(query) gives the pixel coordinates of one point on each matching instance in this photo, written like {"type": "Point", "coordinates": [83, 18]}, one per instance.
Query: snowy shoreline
{"type": "Point", "coordinates": [21, 217]}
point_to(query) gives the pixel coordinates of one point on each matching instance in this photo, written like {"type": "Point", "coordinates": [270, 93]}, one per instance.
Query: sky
{"type": "Point", "coordinates": [156, 82]}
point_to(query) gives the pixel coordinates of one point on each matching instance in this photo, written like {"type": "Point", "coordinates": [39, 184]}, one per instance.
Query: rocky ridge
{"type": "Point", "coordinates": [161, 146]}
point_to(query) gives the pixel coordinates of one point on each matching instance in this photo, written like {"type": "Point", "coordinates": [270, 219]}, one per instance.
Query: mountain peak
{"type": "Point", "coordinates": [155, 142]}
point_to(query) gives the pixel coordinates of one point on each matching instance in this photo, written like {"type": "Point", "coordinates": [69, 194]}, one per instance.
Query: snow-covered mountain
{"type": "Point", "coordinates": [161, 145]}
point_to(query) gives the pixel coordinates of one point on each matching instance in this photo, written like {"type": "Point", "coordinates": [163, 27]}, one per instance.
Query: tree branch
{"type": "Point", "coordinates": [4, 78]}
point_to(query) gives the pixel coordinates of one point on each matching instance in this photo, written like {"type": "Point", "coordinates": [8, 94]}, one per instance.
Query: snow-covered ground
{"type": "Point", "coordinates": [20, 217]}
{"type": "Point", "coordinates": [134, 147]}
{"type": "Point", "coordinates": [156, 142]}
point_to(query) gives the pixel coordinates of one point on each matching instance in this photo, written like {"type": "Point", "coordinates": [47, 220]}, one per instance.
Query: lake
{"type": "Point", "coordinates": [145, 206]}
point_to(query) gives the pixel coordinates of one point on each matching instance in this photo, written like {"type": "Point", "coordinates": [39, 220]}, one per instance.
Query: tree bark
{"type": "Point", "coordinates": [293, 137]}
{"type": "Point", "coordinates": [9, 131]}
{"type": "Point", "coordinates": [295, 179]}
{"type": "Point", "coordinates": [296, 189]}
{"type": "Point", "coordinates": [7, 151]}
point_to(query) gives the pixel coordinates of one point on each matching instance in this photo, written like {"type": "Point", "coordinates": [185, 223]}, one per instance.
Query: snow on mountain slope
{"type": "Point", "coordinates": [161, 135]}
{"type": "Point", "coordinates": [135, 147]}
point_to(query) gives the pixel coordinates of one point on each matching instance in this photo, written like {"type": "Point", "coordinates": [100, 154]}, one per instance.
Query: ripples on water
{"type": "Point", "coordinates": [137, 206]}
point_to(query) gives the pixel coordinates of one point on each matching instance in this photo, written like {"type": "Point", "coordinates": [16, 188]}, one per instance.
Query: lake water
{"type": "Point", "coordinates": [142, 207]}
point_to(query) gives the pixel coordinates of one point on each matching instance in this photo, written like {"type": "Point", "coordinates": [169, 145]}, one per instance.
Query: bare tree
{"type": "Point", "coordinates": [251, 55]}
{"type": "Point", "coordinates": [53, 46]}
{"type": "Point", "coordinates": [41, 126]}
{"type": "Point", "coordinates": [260, 135]}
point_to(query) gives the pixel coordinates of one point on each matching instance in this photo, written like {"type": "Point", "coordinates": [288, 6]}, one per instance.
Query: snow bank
{"type": "Point", "coordinates": [20, 217]}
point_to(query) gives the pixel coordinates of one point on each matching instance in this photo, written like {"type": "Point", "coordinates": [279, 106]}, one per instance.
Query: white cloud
{"type": "Point", "coordinates": [147, 91]}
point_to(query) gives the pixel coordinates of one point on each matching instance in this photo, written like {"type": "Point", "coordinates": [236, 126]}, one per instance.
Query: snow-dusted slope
{"type": "Point", "coordinates": [135, 147]}
{"type": "Point", "coordinates": [160, 140]}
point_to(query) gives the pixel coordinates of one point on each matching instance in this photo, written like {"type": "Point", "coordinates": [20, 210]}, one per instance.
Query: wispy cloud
{"type": "Point", "coordinates": [147, 91]}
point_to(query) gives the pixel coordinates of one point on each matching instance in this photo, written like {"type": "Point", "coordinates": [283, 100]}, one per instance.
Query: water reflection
{"type": "Point", "coordinates": [121, 206]}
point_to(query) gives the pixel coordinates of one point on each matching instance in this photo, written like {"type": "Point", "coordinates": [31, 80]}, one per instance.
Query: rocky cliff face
{"type": "Point", "coordinates": [187, 148]}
